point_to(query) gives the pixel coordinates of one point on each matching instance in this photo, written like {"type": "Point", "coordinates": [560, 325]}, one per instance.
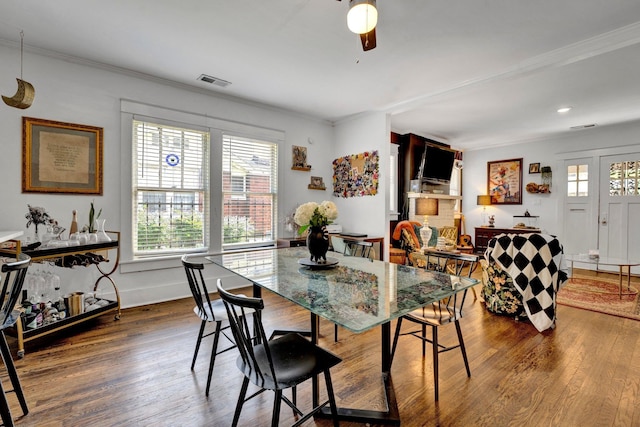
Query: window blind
{"type": "Point", "coordinates": [170, 188]}
{"type": "Point", "coordinates": [249, 188]}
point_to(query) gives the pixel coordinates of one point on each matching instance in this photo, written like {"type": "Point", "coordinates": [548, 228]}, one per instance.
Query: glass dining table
{"type": "Point", "coordinates": [355, 293]}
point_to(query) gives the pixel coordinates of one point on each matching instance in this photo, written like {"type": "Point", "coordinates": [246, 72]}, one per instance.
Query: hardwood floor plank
{"type": "Point", "coordinates": [135, 372]}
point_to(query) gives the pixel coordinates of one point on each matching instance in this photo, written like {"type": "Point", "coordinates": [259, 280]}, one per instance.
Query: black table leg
{"type": "Point", "coordinates": [390, 416]}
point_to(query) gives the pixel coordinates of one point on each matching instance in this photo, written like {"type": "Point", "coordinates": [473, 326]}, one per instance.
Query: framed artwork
{"type": "Point", "coordinates": [61, 157]}
{"type": "Point", "coordinates": [504, 182]}
{"type": "Point", "coordinates": [534, 167]}
{"type": "Point", "coordinates": [316, 183]}
{"type": "Point", "coordinates": [299, 155]}
{"type": "Point", "coordinates": [356, 175]}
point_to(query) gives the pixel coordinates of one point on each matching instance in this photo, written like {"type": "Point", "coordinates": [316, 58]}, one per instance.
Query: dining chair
{"type": "Point", "coordinates": [209, 311]}
{"type": "Point", "coordinates": [355, 248]}
{"type": "Point", "coordinates": [359, 248]}
{"type": "Point", "coordinates": [275, 364]}
{"type": "Point", "coordinates": [14, 274]}
{"type": "Point", "coordinates": [440, 313]}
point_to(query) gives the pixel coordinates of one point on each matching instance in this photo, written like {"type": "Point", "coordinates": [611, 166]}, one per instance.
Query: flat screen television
{"type": "Point", "coordinates": [437, 164]}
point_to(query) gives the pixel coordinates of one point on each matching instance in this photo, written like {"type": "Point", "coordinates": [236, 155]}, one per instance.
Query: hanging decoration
{"type": "Point", "coordinates": [356, 175]}
{"type": "Point", "coordinates": [25, 94]}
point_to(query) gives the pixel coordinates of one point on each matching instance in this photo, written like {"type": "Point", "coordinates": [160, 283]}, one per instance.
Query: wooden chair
{"type": "Point", "coordinates": [13, 280]}
{"type": "Point", "coordinates": [275, 364]}
{"type": "Point", "coordinates": [440, 313]}
{"type": "Point", "coordinates": [209, 311]}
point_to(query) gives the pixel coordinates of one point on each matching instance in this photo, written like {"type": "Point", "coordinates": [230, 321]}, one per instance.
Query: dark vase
{"type": "Point", "coordinates": [318, 244]}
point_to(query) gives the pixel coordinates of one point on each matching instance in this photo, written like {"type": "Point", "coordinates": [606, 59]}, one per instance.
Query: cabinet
{"type": "Point", "coordinates": [292, 242]}
{"type": "Point", "coordinates": [51, 255]}
{"type": "Point", "coordinates": [484, 234]}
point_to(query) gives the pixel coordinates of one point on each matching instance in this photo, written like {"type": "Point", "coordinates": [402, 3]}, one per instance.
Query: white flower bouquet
{"type": "Point", "coordinates": [312, 214]}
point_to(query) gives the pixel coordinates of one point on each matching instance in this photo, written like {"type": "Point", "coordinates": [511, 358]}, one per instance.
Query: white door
{"type": "Point", "coordinates": [580, 223]}
{"type": "Point", "coordinates": [619, 227]}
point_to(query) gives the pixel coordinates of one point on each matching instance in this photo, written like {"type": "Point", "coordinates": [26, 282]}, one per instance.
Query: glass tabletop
{"type": "Point", "coordinates": [356, 293]}
{"type": "Point", "coordinates": [585, 258]}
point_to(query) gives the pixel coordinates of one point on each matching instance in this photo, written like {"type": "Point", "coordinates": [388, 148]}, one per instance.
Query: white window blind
{"type": "Point", "coordinates": [170, 188]}
{"type": "Point", "coordinates": [249, 191]}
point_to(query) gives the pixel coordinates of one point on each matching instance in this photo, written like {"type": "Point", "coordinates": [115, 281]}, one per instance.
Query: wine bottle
{"type": "Point", "coordinates": [74, 223]}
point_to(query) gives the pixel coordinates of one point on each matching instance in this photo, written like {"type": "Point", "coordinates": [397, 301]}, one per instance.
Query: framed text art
{"type": "Point", "coordinates": [504, 182]}
{"type": "Point", "coordinates": [61, 157]}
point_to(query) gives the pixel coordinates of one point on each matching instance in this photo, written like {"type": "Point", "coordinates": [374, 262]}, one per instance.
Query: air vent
{"type": "Point", "coordinates": [591, 125]}
{"type": "Point", "coordinates": [213, 80]}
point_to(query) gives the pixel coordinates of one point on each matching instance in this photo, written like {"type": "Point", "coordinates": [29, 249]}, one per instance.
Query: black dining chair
{"type": "Point", "coordinates": [275, 364]}
{"type": "Point", "coordinates": [209, 311]}
{"type": "Point", "coordinates": [14, 274]}
{"type": "Point", "coordinates": [440, 313]}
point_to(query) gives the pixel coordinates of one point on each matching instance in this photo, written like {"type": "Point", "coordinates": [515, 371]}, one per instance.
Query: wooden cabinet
{"type": "Point", "coordinates": [484, 234]}
{"type": "Point", "coordinates": [51, 255]}
{"type": "Point", "coordinates": [292, 242]}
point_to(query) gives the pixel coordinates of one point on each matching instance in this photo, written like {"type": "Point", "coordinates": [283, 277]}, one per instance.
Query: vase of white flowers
{"type": "Point", "coordinates": [315, 217]}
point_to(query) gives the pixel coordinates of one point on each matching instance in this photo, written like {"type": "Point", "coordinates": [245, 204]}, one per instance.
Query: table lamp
{"type": "Point", "coordinates": [484, 201]}
{"type": "Point", "coordinates": [426, 207]}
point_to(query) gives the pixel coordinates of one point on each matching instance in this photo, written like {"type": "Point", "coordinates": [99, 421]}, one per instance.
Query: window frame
{"type": "Point", "coordinates": [166, 212]}
{"type": "Point", "coordinates": [130, 110]}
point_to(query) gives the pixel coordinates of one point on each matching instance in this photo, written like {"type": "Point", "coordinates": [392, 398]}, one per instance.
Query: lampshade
{"type": "Point", "coordinates": [426, 206]}
{"type": "Point", "coordinates": [362, 16]}
{"type": "Point", "coordinates": [484, 200]}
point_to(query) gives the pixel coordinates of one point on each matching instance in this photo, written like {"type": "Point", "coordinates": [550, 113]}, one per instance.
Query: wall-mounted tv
{"type": "Point", "coordinates": [437, 164]}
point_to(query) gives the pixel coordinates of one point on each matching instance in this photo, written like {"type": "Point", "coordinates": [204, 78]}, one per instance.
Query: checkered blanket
{"type": "Point", "coordinates": [535, 262]}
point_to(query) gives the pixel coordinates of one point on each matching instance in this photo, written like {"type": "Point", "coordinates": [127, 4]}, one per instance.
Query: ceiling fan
{"type": "Point", "coordinates": [362, 19]}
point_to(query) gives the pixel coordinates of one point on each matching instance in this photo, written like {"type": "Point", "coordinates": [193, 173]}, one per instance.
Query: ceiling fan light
{"type": "Point", "coordinates": [362, 16]}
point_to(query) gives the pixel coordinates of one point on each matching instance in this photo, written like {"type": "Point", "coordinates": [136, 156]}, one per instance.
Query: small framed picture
{"type": "Point", "coordinates": [534, 167]}
{"type": "Point", "coordinates": [316, 183]}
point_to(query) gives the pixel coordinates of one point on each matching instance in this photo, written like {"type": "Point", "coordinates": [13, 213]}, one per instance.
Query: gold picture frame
{"type": "Point", "coordinates": [61, 157]}
{"type": "Point", "coordinates": [504, 182]}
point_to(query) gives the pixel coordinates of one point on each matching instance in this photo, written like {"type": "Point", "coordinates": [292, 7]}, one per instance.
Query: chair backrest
{"type": "Point", "coordinates": [450, 233]}
{"type": "Point", "coordinates": [456, 264]}
{"type": "Point", "coordinates": [359, 248]}
{"type": "Point", "coordinates": [256, 357]}
{"type": "Point", "coordinates": [197, 285]}
{"type": "Point", "coordinates": [14, 274]}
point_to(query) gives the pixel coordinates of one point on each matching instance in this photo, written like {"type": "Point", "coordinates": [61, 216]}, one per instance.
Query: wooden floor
{"type": "Point", "coordinates": [135, 372]}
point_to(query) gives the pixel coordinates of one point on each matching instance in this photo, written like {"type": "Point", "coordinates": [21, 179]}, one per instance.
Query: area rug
{"type": "Point", "coordinates": [600, 295]}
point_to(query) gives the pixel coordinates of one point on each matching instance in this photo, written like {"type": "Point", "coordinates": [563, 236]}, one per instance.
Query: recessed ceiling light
{"type": "Point", "coordinates": [564, 109]}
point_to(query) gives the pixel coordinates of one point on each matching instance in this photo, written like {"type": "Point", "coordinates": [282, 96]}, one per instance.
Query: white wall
{"type": "Point", "coordinates": [367, 214]}
{"type": "Point", "coordinates": [78, 93]}
{"type": "Point", "coordinates": [590, 143]}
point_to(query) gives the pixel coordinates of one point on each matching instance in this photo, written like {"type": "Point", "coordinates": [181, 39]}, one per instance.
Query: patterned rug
{"type": "Point", "coordinates": [601, 295]}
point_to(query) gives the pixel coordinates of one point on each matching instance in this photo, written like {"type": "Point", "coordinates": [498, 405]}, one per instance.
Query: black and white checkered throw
{"type": "Point", "coordinates": [535, 262]}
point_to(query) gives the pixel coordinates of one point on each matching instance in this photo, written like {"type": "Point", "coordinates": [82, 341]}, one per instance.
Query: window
{"type": "Point", "coordinates": [249, 191]}
{"type": "Point", "coordinates": [578, 181]}
{"type": "Point", "coordinates": [170, 188]}
{"type": "Point", "coordinates": [624, 178]}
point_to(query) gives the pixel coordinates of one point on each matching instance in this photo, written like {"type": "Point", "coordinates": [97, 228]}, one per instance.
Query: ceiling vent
{"type": "Point", "coordinates": [213, 80]}
{"type": "Point", "coordinates": [591, 125]}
